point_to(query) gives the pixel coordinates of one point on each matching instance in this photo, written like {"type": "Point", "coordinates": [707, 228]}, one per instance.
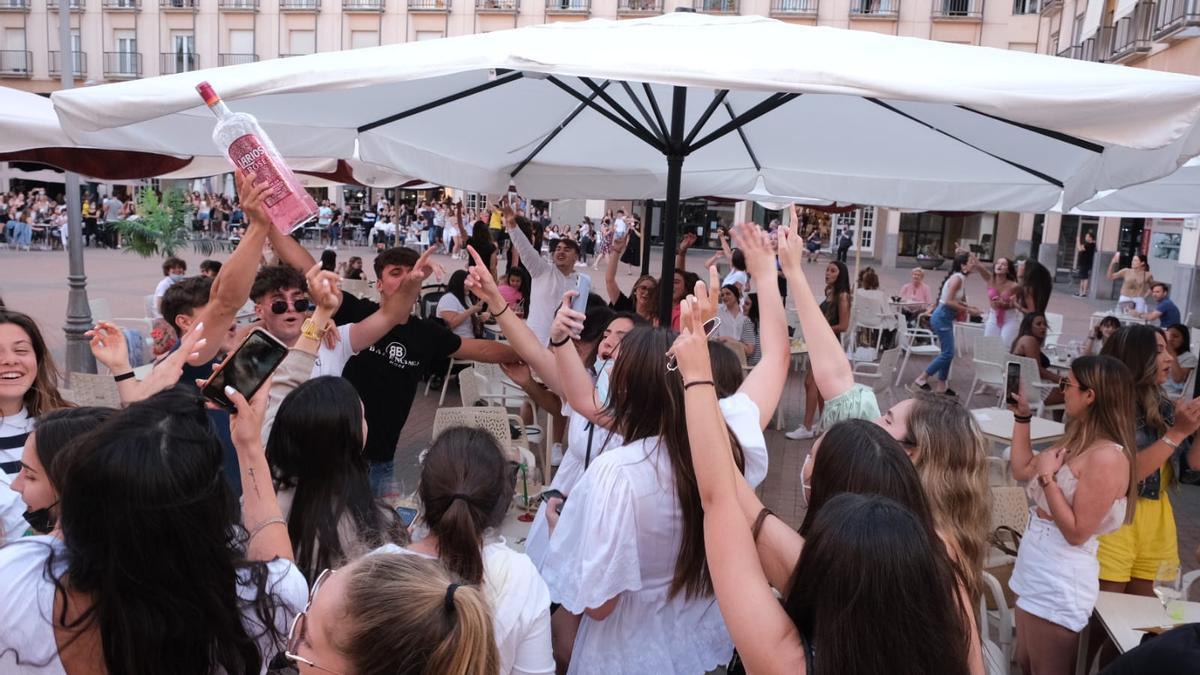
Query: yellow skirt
{"type": "Point", "coordinates": [1136, 550]}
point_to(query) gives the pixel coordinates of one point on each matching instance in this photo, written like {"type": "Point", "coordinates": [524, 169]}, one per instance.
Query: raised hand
{"type": "Point", "coordinates": [168, 371]}
{"type": "Point", "coordinates": [109, 347]}
{"type": "Point", "coordinates": [688, 240]}
{"type": "Point", "coordinates": [1018, 403]}
{"type": "Point", "coordinates": [253, 198]}
{"type": "Point", "coordinates": [246, 423]}
{"type": "Point", "coordinates": [755, 245]}
{"type": "Point", "coordinates": [567, 322]}
{"type": "Point", "coordinates": [709, 298]}
{"type": "Point", "coordinates": [324, 288]}
{"type": "Point", "coordinates": [480, 282]}
{"type": "Point", "coordinates": [690, 350]}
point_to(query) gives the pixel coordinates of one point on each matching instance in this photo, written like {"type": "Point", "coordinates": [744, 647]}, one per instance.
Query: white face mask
{"type": "Point", "coordinates": [604, 369]}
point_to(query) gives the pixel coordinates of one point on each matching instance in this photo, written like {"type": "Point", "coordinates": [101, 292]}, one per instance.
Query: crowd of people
{"type": "Point", "coordinates": [176, 534]}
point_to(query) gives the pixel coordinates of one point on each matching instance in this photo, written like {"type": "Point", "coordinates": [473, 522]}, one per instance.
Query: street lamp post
{"type": "Point", "coordinates": [79, 315]}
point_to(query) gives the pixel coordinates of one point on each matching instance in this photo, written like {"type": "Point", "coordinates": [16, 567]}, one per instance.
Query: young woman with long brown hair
{"type": "Point", "coordinates": [1079, 490]}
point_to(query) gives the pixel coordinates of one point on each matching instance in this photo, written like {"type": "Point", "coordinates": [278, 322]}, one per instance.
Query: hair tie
{"type": "Point", "coordinates": [450, 597]}
{"type": "Point", "coordinates": [459, 495]}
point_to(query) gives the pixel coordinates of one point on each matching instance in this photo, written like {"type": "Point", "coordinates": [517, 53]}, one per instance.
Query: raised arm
{"type": "Point", "coordinates": [681, 254]}
{"type": "Point", "coordinates": [290, 251]}
{"type": "Point", "coordinates": [1113, 272]}
{"type": "Point", "coordinates": [529, 255]}
{"type": "Point", "coordinates": [610, 271]}
{"type": "Point", "coordinates": [396, 309]}
{"type": "Point", "coordinates": [1020, 458]}
{"type": "Point", "coordinates": [764, 384]}
{"type": "Point", "coordinates": [260, 509]}
{"type": "Point", "coordinates": [577, 385]}
{"type": "Point", "coordinates": [764, 634]}
{"type": "Point", "coordinates": [109, 347]}
{"type": "Point", "coordinates": [983, 270]}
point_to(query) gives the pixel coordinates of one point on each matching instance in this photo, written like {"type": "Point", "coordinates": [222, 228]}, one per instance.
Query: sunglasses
{"type": "Point", "coordinates": [299, 630]}
{"type": "Point", "coordinates": [1066, 382]}
{"type": "Point", "coordinates": [710, 327]}
{"type": "Point", "coordinates": [281, 306]}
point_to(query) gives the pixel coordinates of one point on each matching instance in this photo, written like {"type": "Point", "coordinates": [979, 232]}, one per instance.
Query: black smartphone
{"type": "Point", "coordinates": [1012, 382]}
{"type": "Point", "coordinates": [555, 494]}
{"type": "Point", "coordinates": [407, 515]}
{"type": "Point", "coordinates": [246, 369]}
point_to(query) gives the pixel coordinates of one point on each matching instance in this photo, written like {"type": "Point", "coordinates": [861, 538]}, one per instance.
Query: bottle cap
{"type": "Point", "coordinates": [206, 92]}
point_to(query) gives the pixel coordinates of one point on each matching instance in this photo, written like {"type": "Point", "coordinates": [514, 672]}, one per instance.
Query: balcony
{"type": "Point", "coordinates": [793, 7]}
{"type": "Point", "coordinates": [1051, 7]}
{"type": "Point", "coordinates": [121, 5]}
{"type": "Point", "coordinates": [14, 5]}
{"type": "Point", "coordinates": [292, 56]}
{"type": "Point", "coordinates": [364, 5]}
{"type": "Point", "coordinates": [639, 7]}
{"type": "Point", "coordinates": [568, 7]}
{"type": "Point", "coordinates": [299, 5]}
{"type": "Point", "coordinates": [178, 62]}
{"type": "Point", "coordinates": [1176, 19]}
{"type": "Point", "coordinates": [16, 63]}
{"type": "Point", "coordinates": [74, 5]}
{"type": "Point", "coordinates": [499, 6]}
{"type": "Point", "coordinates": [235, 59]}
{"type": "Point", "coordinates": [178, 5]}
{"type": "Point", "coordinates": [957, 10]}
{"type": "Point", "coordinates": [715, 6]}
{"type": "Point", "coordinates": [1022, 7]}
{"type": "Point", "coordinates": [1131, 34]}
{"type": "Point", "coordinates": [875, 9]}
{"type": "Point", "coordinates": [122, 65]}
{"type": "Point", "coordinates": [237, 5]}
{"type": "Point", "coordinates": [78, 63]}
{"type": "Point", "coordinates": [429, 6]}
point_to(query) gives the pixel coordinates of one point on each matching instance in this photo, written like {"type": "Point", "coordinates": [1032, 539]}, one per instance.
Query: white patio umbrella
{"type": "Point", "coordinates": [686, 104]}
{"type": "Point", "coordinates": [1173, 196]}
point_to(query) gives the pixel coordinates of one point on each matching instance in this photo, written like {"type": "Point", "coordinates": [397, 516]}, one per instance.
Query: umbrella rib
{"type": "Point", "coordinates": [642, 109]}
{"type": "Point", "coordinates": [550, 136]}
{"type": "Point", "coordinates": [620, 110]}
{"type": "Point", "coordinates": [745, 141]}
{"type": "Point", "coordinates": [505, 79]}
{"type": "Point", "coordinates": [1033, 172]}
{"type": "Point", "coordinates": [636, 131]}
{"type": "Point", "coordinates": [662, 122]}
{"type": "Point", "coordinates": [712, 107]}
{"type": "Point", "coordinates": [761, 108]}
{"type": "Point", "coordinates": [1056, 135]}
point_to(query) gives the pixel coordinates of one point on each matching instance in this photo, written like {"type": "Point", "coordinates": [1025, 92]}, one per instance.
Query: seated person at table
{"type": "Point", "coordinates": [1165, 312]}
{"type": "Point", "coordinates": [918, 293]}
{"type": "Point", "coordinates": [1031, 336]}
{"type": "Point", "coordinates": [1179, 345]}
{"type": "Point", "coordinates": [1103, 330]}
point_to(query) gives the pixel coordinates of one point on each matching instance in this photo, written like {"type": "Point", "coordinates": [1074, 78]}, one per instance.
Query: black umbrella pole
{"type": "Point", "coordinates": [670, 230]}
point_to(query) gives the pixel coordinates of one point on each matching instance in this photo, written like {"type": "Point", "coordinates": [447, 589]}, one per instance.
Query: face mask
{"type": "Point", "coordinates": [41, 520]}
{"type": "Point", "coordinates": [175, 278]}
{"type": "Point", "coordinates": [603, 374]}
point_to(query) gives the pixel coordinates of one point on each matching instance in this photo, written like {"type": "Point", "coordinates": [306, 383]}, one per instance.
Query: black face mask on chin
{"type": "Point", "coordinates": [41, 520]}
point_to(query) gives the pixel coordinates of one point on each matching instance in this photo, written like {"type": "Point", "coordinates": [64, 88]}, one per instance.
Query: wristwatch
{"type": "Point", "coordinates": [311, 330]}
{"type": "Point", "coordinates": [1046, 479]}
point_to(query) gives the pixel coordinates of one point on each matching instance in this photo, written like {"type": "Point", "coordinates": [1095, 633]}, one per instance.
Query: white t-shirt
{"type": "Point", "coordinates": [162, 287]}
{"type": "Point", "coordinates": [332, 361]}
{"type": "Point", "coordinates": [27, 634]}
{"type": "Point", "coordinates": [735, 277]}
{"type": "Point", "coordinates": [731, 326]}
{"type": "Point", "coordinates": [618, 536]}
{"type": "Point", "coordinates": [324, 215]}
{"type": "Point", "coordinates": [13, 430]}
{"type": "Point", "coordinates": [449, 303]}
{"type": "Point", "coordinates": [520, 607]}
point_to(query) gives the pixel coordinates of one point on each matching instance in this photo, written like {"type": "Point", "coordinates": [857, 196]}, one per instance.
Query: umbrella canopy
{"type": "Point", "coordinates": [1171, 197]}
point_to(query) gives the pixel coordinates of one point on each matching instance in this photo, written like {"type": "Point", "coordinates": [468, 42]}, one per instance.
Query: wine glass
{"type": "Point", "coordinates": [528, 490]}
{"type": "Point", "coordinates": [1169, 589]}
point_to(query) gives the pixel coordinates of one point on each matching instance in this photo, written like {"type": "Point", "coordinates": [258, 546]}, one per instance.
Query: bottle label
{"type": "Point", "coordinates": [250, 155]}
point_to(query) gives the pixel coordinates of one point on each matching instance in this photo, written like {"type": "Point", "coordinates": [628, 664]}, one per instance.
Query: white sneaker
{"type": "Point", "coordinates": [580, 263]}
{"type": "Point", "coordinates": [800, 433]}
{"type": "Point", "coordinates": [556, 454]}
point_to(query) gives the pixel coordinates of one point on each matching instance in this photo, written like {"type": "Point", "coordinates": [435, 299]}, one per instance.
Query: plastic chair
{"type": "Point", "coordinates": [906, 338]}
{"type": "Point", "coordinates": [1054, 327]}
{"type": "Point", "coordinates": [1009, 509]}
{"type": "Point", "coordinates": [491, 419]}
{"type": "Point", "coordinates": [879, 373]}
{"type": "Point", "coordinates": [869, 312]}
{"type": "Point", "coordinates": [961, 329]}
{"type": "Point", "coordinates": [989, 358]}
{"type": "Point", "coordinates": [1003, 620]}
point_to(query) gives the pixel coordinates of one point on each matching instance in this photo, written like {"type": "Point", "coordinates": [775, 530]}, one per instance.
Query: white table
{"type": "Point", "coordinates": [997, 427]}
{"type": "Point", "coordinates": [1120, 614]}
{"type": "Point", "coordinates": [1097, 317]}
{"type": "Point", "coordinates": [514, 530]}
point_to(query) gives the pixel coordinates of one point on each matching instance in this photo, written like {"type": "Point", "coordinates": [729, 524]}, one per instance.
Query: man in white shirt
{"type": "Point", "coordinates": [551, 278]}
{"type": "Point", "coordinates": [174, 269]}
{"type": "Point", "coordinates": [281, 302]}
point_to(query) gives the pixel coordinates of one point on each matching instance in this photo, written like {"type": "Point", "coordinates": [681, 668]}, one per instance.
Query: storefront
{"type": "Point", "coordinates": [937, 233]}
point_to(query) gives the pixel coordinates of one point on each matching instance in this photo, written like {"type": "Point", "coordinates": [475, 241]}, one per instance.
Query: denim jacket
{"type": "Point", "coordinates": [1151, 487]}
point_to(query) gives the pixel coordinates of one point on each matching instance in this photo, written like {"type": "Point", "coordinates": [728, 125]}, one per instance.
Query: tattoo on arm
{"type": "Point", "coordinates": [254, 482]}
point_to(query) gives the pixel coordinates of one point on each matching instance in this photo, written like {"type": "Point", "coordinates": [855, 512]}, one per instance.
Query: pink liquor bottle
{"type": "Point", "coordinates": [239, 135]}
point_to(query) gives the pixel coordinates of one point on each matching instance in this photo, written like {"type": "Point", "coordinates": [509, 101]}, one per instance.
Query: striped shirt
{"type": "Point", "coordinates": [13, 432]}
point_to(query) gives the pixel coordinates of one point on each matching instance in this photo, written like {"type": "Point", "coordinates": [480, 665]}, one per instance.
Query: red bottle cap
{"type": "Point", "coordinates": [206, 92]}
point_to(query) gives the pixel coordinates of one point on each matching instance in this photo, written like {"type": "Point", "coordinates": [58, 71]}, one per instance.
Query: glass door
{"type": "Point", "coordinates": [127, 54]}
{"type": "Point", "coordinates": [185, 52]}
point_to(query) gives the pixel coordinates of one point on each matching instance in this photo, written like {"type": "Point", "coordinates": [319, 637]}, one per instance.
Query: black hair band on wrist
{"type": "Point", "coordinates": [123, 376]}
{"type": "Point", "coordinates": [497, 314]}
{"type": "Point", "coordinates": [696, 383]}
{"type": "Point", "coordinates": [560, 342]}
{"type": "Point", "coordinates": [1023, 419]}
{"type": "Point", "coordinates": [758, 522]}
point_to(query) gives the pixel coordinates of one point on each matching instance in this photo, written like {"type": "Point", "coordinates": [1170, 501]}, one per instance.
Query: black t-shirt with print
{"type": "Point", "coordinates": [387, 373]}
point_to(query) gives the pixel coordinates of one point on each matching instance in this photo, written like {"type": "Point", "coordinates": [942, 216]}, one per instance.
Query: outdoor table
{"type": "Point", "coordinates": [514, 530]}
{"type": "Point", "coordinates": [1121, 614]}
{"type": "Point", "coordinates": [997, 427]}
{"type": "Point", "coordinates": [1097, 317]}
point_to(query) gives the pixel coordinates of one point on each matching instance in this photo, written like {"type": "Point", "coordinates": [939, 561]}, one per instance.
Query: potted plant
{"type": "Point", "coordinates": [159, 227]}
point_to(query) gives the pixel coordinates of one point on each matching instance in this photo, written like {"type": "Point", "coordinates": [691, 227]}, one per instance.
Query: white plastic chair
{"type": "Point", "coordinates": [989, 358]}
{"type": "Point", "coordinates": [1054, 327]}
{"type": "Point", "coordinates": [878, 374]}
{"type": "Point", "coordinates": [1036, 389]}
{"type": "Point", "coordinates": [906, 339]}
{"type": "Point", "coordinates": [1002, 619]}
{"type": "Point", "coordinates": [869, 312]}
{"type": "Point", "coordinates": [489, 418]}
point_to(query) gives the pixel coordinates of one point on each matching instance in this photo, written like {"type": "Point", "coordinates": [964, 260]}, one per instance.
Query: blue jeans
{"type": "Point", "coordinates": [380, 474]}
{"type": "Point", "coordinates": [942, 322]}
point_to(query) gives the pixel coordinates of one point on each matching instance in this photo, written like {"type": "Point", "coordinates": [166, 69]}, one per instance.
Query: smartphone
{"type": "Point", "coordinates": [1012, 382]}
{"type": "Point", "coordinates": [583, 286]}
{"type": "Point", "coordinates": [407, 515]}
{"type": "Point", "coordinates": [246, 369]}
{"type": "Point", "coordinates": [555, 494]}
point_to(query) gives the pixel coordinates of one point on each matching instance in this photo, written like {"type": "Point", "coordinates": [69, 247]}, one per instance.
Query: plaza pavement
{"type": "Point", "coordinates": [35, 282]}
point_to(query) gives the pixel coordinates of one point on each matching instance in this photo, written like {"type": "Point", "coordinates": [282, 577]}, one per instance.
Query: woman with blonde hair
{"type": "Point", "coordinates": [393, 614]}
{"type": "Point", "coordinates": [1079, 490]}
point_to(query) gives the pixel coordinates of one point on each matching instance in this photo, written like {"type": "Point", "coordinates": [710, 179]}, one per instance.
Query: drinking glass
{"type": "Point", "coordinates": [1169, 589]}
{"type": "Point", "coordinates": [528, 490]}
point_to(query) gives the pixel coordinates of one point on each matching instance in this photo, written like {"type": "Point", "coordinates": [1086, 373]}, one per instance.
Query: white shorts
{"type": "Point", "coordinates": [1139, 302]}
{"type": "Point", "coordinates": [1054, 580]}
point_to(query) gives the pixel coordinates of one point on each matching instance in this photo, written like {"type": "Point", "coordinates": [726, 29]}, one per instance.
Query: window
{"type": "Point", "coordinates": [1077, 29]}
{"type": "Point", "coordinates": [1026, 6]}
{"type": "Point", "coordinates": [429, 35]}
{"type": "Point", "coordinates": [126, 42]}
{"type": "Point", "coordinates": [302, 42]}
{"type": "Point", "coordinates": [184, 50]}
{"type": "Point", "coordinates": [364, 38]}
{"type": "Point", "coordinates": [241, 42]}
{"type": "Point", "coordinates": [861, 221]}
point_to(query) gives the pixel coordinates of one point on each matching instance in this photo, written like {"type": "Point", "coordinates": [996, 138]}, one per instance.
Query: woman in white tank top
{"type": "Point", "coordinates": [1082, 489]}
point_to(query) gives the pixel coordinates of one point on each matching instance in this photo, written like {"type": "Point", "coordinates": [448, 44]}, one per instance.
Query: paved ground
{"type": "Point", "coordinates": [35, 282]}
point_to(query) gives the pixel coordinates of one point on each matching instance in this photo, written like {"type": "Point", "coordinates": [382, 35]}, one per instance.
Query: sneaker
{"type": "Point", "coordinates": [580, 263]}
{"type": "Point", "coordinates": [950, 393]}
{"type": "Point", "coordinates": [556, 454]}
{"type": "Point", "coordinates": [913, 387]}
{"type": "Point", "coordinates": [800, 433]}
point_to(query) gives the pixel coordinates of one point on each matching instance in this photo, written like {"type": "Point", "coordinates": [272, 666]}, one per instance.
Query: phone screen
{"type": "Point", "coordinates": [583, 286]}
{"type": "Point", "coordinates": [247, 368]}
{"type": "Point", "coordinates": [407, 515]}
{"type": "Point", "coordinates": [1012, 382]}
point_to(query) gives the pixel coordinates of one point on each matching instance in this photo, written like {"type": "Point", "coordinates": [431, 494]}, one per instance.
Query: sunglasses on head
{"type": "Point", "coordinates": [710, 327]}
{"type": "Point", "coordinates": [281, 306]}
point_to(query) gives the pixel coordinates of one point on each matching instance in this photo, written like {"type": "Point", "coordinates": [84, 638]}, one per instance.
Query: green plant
{"type": "Point", "coordinates": [161, 226]}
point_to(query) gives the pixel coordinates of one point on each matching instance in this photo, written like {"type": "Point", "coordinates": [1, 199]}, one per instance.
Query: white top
{"type": "Point", "coordinates": [332, 361]}
{"type": "Point", "coordinates": [734, 277]}
{"type": "Point", "coordinates": [27, 645]}
{"type": "Point", "coordinates": [520, 607]}
{"type": "Point", "coordinates": [324, 215]}
{"type": "Point", "coordinates": [1068, 483]}
{"type": "Point", "coordinates": [449, 303]}
{"type": "Point", "coordinates": [162, 287]}
{"type": "Point", "coordinates": [962, 289]}
{"type": "Point", "coordinates": [12, 507]}
{"type": "Point", "coordinates": [619, 536]}
{"type": "Point", "coordinates": [548, 285]}
{"type": "Point", "coordinates": [731, 326]}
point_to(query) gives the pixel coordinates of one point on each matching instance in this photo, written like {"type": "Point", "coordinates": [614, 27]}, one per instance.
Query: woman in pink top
{"type": "Point", "coordinates": [916, 291]}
